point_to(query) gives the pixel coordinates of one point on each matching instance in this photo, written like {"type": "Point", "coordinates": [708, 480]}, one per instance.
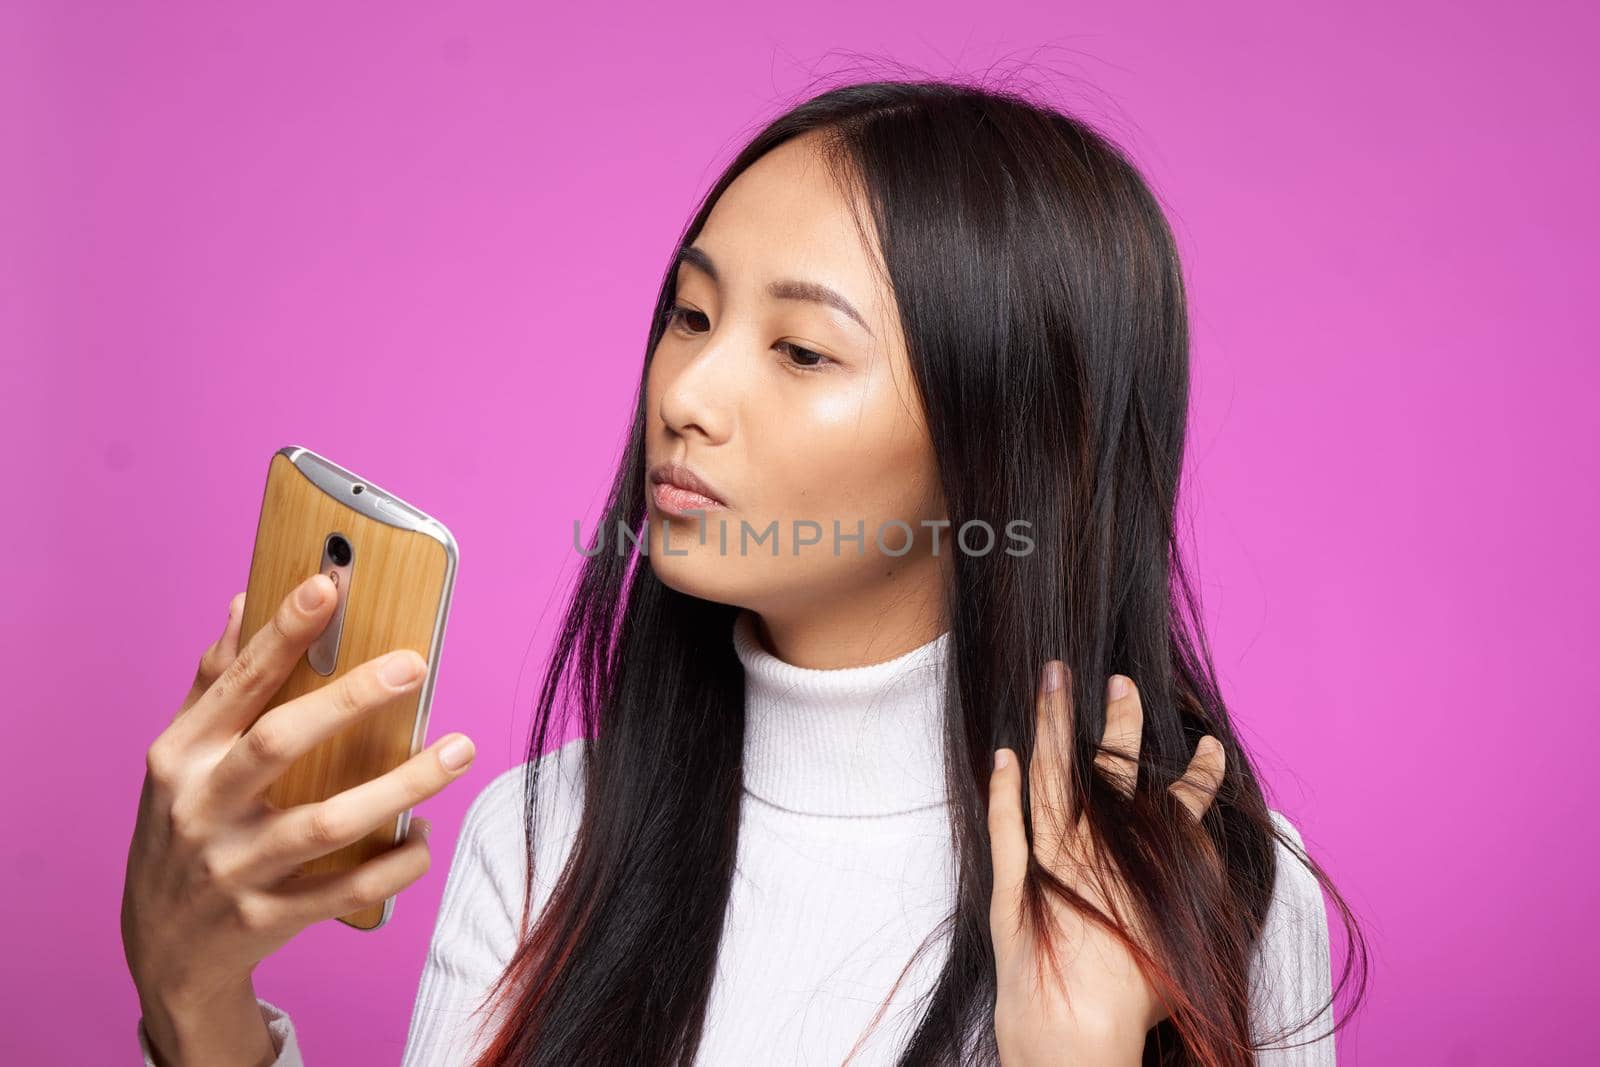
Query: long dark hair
{"type": "Point", "coordinates": [1042, 301]}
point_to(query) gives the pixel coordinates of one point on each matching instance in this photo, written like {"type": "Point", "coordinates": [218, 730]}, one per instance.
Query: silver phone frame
{"type": "Point", "coordinates": [378, 503]}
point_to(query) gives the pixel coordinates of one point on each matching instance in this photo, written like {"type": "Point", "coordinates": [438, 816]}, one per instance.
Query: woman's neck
{"type": "Point", "coordinates": [859, 632]}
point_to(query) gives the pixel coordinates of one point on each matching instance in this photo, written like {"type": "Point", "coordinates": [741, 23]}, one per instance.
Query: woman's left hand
{"type": "Point", "coordinates": [1097, 1006]}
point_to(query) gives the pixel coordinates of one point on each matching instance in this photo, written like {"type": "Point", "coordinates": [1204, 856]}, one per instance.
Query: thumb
{"type": "Point", "coordinates": [1008, 846]}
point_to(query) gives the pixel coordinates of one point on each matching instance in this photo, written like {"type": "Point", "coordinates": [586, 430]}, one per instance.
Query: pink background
{"type": "Point", "coordinates": [425, 244]}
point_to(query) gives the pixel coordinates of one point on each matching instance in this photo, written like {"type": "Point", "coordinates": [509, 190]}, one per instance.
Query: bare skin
{"type": "Point", "coordinates": [793, 410]}
{"type": "Point", "coordinates": [213, 882]}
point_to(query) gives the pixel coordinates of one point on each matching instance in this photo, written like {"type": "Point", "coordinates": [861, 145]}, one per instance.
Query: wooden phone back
{"type": "Point", "coordinates": [393, 598]}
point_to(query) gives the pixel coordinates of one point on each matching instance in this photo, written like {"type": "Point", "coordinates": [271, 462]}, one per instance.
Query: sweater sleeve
{"type": "Point", "coordinates": [278, 1025]}
{"type": "Point", "coordinates": [1291, 975]}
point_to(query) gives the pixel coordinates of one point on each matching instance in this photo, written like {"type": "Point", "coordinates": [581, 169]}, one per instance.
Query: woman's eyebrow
{"type": "Point", "coordinates": [784, 289]}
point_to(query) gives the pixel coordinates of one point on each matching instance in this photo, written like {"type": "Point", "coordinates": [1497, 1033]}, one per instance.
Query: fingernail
{"type": "Point", "coordinates": [1001, 758]}
{"type": "Point", "coordinates": [456, 754]}
{"type": "Point", "coordinates": [310, 593]}
{"type": "Point", "coordinates": [423, 826]}
{"type": "Point", "coordinates": [1118, 687]}
{"type": "Point", "coordinates": [399, 669]}
{"type": "Point", "coordinates": [1055, 675]}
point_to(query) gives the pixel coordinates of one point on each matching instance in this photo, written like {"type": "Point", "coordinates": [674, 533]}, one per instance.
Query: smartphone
{"type": "Point", "coordinates": [394, 568]}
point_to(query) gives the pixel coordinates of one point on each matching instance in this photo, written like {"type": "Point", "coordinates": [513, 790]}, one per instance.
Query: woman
{"type": "Point", "coordinates": [907, 446]}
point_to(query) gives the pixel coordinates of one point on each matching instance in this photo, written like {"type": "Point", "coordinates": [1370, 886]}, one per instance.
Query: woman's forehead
{"type": "Point", "coordinates": [786, 218]}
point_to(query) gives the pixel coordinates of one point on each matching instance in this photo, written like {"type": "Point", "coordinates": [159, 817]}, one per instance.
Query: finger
{"type": "Point", "coordinates": [328, 894]}
{"type": "Point", "coordinates": [1118, 758]}
{"type": "Point", "coordinates": [293, 728]}
{"type": "Point", "coordinates": [1199, 784]}
{"type": "Point", "coordinates": [311, 830]}
{"type": "Point", "coordinates": [216, 658]}
{"type": "Point", "coordinates": [258, 671]}
{"type": "Point", "coordinates": [1008, 847]}
{"type": "Point", "coordinates": [1050, 769]}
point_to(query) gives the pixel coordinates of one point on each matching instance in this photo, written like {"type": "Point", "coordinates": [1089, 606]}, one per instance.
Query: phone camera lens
{"type": "Point", "coordinates": [357, 488]}
{"type": "Point", "coordinates": [339, 550]}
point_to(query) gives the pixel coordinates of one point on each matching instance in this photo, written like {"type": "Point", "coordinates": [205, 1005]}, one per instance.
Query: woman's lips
{"type": "Point", "coordinates": [678, 489]}
{"type": "Point", "coordinates": [679, 501]}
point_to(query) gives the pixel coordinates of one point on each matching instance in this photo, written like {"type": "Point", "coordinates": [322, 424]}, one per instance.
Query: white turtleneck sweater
{"type": "Point", "coordinates": [844, 867]}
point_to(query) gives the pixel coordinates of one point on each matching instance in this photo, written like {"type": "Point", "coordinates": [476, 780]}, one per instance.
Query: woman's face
{"type": "Point", "coordinates": [791, 408]}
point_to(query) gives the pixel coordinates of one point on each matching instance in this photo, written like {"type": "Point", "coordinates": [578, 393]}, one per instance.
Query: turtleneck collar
{"type": "Point", "coordinates": [844, 741]}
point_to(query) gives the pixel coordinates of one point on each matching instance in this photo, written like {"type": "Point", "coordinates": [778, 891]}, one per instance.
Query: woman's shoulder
{"type": "Point", "coordinates": [1291, 995]}
{"type": "Point", "coordinates": [1296, 888]}
{"type": "Point", "coordinates": [1295, 935]}
{"type": "Point", "coordinates": [494, 829]}
{"type": "Point", "coordinates": [557, 775]}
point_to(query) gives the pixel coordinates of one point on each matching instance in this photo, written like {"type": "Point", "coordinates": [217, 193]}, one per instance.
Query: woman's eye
{"type": "Point", "coordinates": [695, 322]}
{"type": "Point", "coordinates": [677, 314]}
{"type": "Point", "coordinates": [803, 358]}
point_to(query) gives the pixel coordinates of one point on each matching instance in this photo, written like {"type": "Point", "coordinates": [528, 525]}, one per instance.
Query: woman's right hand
{"type": "Point", "coordinates": [213, 882]}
